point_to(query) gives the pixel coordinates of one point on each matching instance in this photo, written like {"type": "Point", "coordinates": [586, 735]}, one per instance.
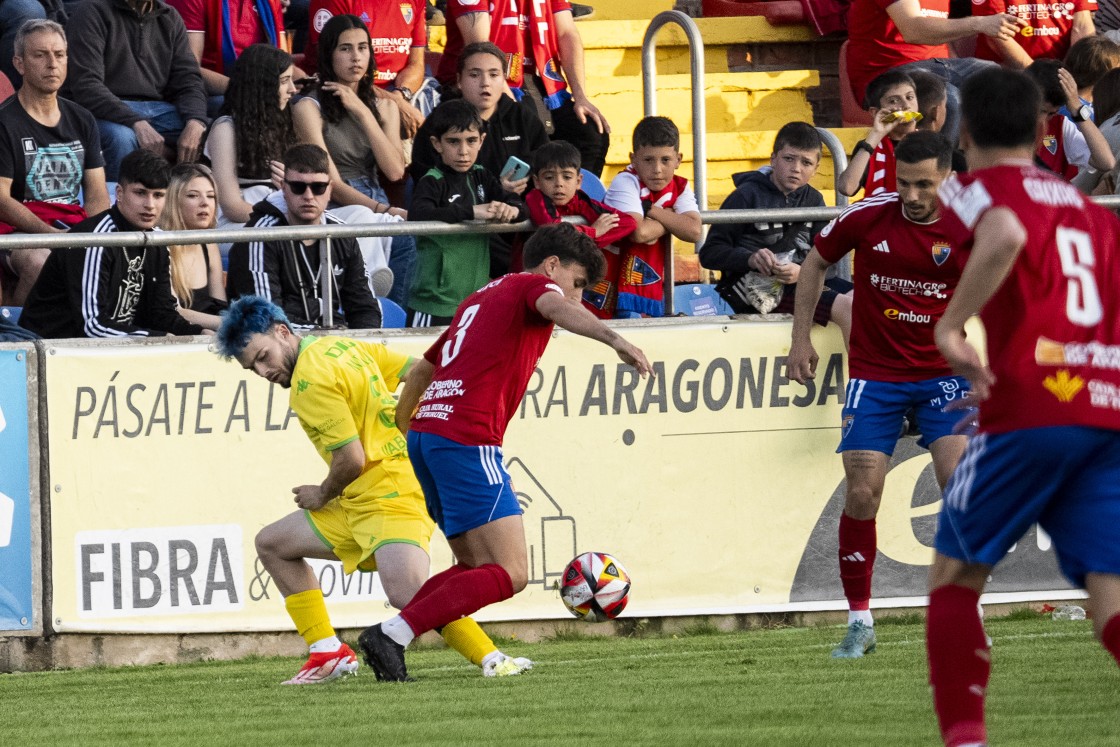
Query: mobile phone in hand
{"type": "Point", "coordinates": [515, 169]}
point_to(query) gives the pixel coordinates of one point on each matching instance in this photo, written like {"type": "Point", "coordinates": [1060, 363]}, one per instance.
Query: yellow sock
{"type": "Point", "coordinates": [309, 612]}
{"type": "Point", "coordinates": [465, 636]}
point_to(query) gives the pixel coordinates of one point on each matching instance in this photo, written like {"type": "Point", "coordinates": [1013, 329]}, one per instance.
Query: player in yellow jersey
{"type": "Point", "coordinates": [369, 512]}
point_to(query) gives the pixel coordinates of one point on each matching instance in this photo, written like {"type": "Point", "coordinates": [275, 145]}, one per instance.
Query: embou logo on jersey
{"type": "Point", "coordinates": [1063, 386]}
{"type": "Point", "coordinates": [906, 316]}
{"type": "Point", "coordinates": [941, 252]}
{"type": "Point", "coordinates": [1051, 144]}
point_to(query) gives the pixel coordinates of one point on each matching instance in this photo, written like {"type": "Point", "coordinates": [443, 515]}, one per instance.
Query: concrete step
{"type": "Point", "coordinates": [735, 101]}
{"type": "Point", "coordinates": [628, 61]}
{"type": "Point", "coordinates": [613, 47]}
{"type": "Point", "coordinates": [616, 10]}
{"type": "Point", "coordinates": [714, 31]}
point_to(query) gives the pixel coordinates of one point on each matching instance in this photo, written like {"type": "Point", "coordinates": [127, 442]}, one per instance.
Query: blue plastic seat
{"type": "Point", "coordinates": [700, 299]}
{"type": "Point", "coordinates": [392, 315]}
{"type": "Point", "coordinates": [593, 186]}
{"type": "Point", "coordinates": [11, 313]}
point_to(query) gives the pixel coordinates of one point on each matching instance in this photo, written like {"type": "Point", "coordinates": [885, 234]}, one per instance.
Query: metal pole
{"type": "Point", "coordinates": [696, 70]}
{"type": "Point", "coordinates": [326, 278]}
{"type": "Point", "coordinates": [699, 113]}
{"type": "Point", "coordinates": [843, 268]}
{"type": "Point", "coordinates": [839, 162]}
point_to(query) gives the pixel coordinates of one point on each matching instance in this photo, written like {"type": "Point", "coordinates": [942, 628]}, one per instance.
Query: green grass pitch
{"type": "Point", "coordinates": [1052, 684]}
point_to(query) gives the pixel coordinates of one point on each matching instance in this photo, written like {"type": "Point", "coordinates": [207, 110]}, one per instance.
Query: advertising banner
{"type": "Point", "coordinates": [17, 610]}
{"type": "Point", "coordinates": [714, 482]}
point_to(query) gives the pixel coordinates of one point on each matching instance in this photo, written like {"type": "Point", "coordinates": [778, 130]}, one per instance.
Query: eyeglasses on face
{"type": "Point", "coordinates": [298, 188]}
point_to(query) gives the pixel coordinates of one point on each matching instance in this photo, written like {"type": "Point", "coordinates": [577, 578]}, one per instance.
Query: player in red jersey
{"type": "Point", "coordinates": [460, 398]}
{"type": "Point", "coordinates": [914, 35]}
{"type": "Point", "coordinates": [1043, 273]}
{"type": "Point", "coordinates": [905, 271]}
{"type": "Point", "coordinates": [1046, 35]}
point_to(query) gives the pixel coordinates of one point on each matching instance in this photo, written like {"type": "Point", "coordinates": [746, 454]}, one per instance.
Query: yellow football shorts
{"type": "Point", "coordinates": [390, 510]}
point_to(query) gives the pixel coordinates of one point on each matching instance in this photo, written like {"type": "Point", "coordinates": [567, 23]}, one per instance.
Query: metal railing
{"type": "Point", "coordinates": [418, 228]}
{"type": "Point", "coordinates": [699, 107]}
{"type": "Point", "coordinates": [839, 161]}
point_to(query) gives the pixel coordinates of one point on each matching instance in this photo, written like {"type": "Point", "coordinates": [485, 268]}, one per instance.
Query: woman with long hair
{"type": "Point", "coordinates": [360, 132]}
{"type": "Point", "coordinates": [252, 132]}
{"type": "Point", "coordinates": [196, 269]}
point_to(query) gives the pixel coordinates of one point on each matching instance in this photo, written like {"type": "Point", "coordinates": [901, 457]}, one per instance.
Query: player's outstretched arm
{"type": "Point", "coordinates": [574, 318]}
{"type": "Point", "coordinates": [998, 240]}
{"type": "Point", "coordinates": [802, 362]}
{"type": "Point", "coordinates": [415, 383]}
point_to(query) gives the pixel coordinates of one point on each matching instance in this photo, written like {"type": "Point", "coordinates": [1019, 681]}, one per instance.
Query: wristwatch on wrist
{"type": "Point", "coordinates": [405, 92]}
{"type": "Point", "coordinates": [1084, 114]}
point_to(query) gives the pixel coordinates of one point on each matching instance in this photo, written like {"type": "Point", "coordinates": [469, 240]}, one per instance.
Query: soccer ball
{"type": "Point", "coordinates": [595, 587]}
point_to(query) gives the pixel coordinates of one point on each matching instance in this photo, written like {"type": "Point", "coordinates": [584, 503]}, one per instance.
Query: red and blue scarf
{"type": "Point", "coordinates": [507, 32]}
{"type": "Point", "coordinates": [271, 22]}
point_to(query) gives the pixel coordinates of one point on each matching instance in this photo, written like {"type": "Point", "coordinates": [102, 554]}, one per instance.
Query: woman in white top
{"type": "Point", "coordinates": [252, 132]}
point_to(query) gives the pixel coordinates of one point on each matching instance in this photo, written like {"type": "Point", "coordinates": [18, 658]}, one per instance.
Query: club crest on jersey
{"type": "Point", "coordinates": [846, 425]}
{"type": "Point", "coordinates": [406, 11]}
{"type": "Point", "coordinates": [941, 252]}
{"type": "Point", "coordinates": [637, 272]}
{"type": "Point", "coordinates": [597, 294]}
{"type": "Point", "coordinates": [1050, 143]}
{"type": "Point", "coordinates": [552, 70]}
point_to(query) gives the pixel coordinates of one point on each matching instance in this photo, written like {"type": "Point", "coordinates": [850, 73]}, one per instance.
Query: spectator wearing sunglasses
{"type": "Point", "coordinates": [288, 272]}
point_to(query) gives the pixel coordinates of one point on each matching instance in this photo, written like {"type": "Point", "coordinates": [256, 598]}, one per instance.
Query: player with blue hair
{"type": "Point", "coordinates": [369, 512]}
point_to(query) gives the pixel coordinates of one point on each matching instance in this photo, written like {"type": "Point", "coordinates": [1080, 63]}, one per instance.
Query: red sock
{"type": "Point", "coordinates": [467, 592]}
{"type": "Point", "coordinates": [438, 580]}
{"type": "Point", "coordinates": [959, 664]}
{"type": "Point", "coordinates": [1110, 637]}
{"type": "Point", "coordinates": [857, 560]}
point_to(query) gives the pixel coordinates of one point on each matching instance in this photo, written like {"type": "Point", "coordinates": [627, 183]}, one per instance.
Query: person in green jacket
{"type": "Point", "coordinates": [451, 267]}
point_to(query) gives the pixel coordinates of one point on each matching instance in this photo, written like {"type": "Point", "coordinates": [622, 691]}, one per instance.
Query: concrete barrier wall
{"type": "Point", "coordinates": [21, 572]}
{"type": "Point", "coordinates": [715, 483]}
